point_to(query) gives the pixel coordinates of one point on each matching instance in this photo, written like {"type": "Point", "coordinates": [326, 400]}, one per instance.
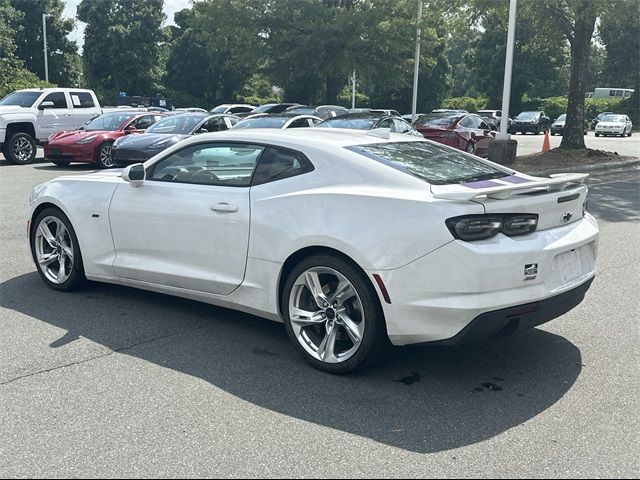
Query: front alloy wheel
{"type": "Point", "coordinates": [332, 315]}
{"type": "Point", "coordinates": [105, 155]}
{"type": "Point", "coordinates": [56, 251]}
{"type": "Point", "coordinates": [20, 149]}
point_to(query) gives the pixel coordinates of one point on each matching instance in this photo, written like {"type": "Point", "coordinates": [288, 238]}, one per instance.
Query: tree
{"type": "Point", "coordinates": [215, 50]}
{"type": "Point", "coordinates": [13, 74]}
{"type": "Point", "coordinates": [123, 44]}
{"type": "Point", "coordinates": [63, 58]}
{"type": "Point", "coordinates": [619, 31]}
{"type": "Point", "coordinates": [576, 19]}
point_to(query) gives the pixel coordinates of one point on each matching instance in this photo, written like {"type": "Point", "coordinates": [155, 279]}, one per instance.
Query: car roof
{"type": "Point", "coordinates": [361, 115]}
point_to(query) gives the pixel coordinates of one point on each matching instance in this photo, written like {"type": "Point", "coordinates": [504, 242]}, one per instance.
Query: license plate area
{"type": "Point", "coordinates": [569, 265]}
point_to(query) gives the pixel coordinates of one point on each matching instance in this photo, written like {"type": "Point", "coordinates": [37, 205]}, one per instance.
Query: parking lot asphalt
{"type": "Point", "coordinates": [627, 146]}
{"type": "Point", "coordinates": [112, 381]}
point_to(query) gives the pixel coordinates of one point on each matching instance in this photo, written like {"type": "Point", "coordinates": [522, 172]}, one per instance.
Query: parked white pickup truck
{"type": "Point", "coordinates": [29, 117]}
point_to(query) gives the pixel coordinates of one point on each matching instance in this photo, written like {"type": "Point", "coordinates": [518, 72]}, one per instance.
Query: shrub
{"type": "Point", "coordinates": [464, 103]}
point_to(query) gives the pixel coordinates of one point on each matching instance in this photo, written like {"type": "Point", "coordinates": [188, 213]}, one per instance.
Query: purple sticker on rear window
{"type": "Point", "coordinates": [514, 179]}
{"type": "Point", "coordinates": [482, 184]}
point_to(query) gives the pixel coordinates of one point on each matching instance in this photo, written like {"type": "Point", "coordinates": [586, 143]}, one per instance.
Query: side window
{"type": "Point", "coordinates": [216, 124]}
{"type": "Point", "coordinates": [58, 98]}
{"type": "Point", "coordinates": [81, 100]}
{"type": "Point", "coordinates": [400, 126]}
{"type": "Point", "coordinates": [386, 123]}
{"type": "Point", "coordinates": [276, 164]}
{"type": "Point", "coordinates": [300, 123]}
{"type": "Point", "coordinates": [467, 122]}
{"type": "Point", "coordinates": [209, 164]}
{"type": "Point", "coordinates": [145, 122]}
{"type": "Point", "coordinates": [231, 121]}
{"type": "Point", "coordinates": [239, 110]}
{"type": "Point", "coordinates": [315, 121]}
{"type": "Point", "coordinates": [484, 126]}
{"type": "Point", "coordinates": [499, 114]}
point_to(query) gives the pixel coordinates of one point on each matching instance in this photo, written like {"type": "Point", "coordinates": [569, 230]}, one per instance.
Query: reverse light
{"type": "Point", "coordinates": [471, 228]}
{"type": "Point", "coordinates": [86, 140]}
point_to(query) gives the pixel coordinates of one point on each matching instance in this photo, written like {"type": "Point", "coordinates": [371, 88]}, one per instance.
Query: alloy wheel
{"type": "Point", "coordinates": [105, 155]}
{"type": "Point", "coordinates": [22, 149]}
{"type": "Point", "coordinates": [54, 250]}
{"type": "Point", "coordinates": [327, 315]}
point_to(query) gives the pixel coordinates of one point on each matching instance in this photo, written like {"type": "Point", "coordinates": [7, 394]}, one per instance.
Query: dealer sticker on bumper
{"type": "Point", "coordinates": [530, 272]}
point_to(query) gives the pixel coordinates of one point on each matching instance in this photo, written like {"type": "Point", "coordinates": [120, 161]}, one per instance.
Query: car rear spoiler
{"type": "Point", "coordinates": [554, 183]}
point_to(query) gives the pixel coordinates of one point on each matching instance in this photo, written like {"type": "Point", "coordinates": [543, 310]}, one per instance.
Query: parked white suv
{"type": "Point", "coordinates": [29, 117]}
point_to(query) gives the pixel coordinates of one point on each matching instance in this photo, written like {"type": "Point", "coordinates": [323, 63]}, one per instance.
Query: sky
{"type": "Point", "coordinates": [170, 8]}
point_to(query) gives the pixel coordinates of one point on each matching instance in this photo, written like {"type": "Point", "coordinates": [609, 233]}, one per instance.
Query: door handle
{"type": "Point", "coordinates": [224, 207]}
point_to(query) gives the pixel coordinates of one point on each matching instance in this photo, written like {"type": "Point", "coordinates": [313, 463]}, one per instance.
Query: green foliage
{"type": "Point", "coordinates": [465, 103]}
{"type": "Point", "coordinates": [63, 58]}
{"type": "Point", "coordinates": [123, 45]}
{"type": "Point", "coordinates": [13, 74]}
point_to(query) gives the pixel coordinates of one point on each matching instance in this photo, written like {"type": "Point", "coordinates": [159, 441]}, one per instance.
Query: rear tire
{"type": "Point", "coordinates": [56, 251]}
{"type": "Point", "coordinates": [20, 149]}
{"type": "Point", "coordinates": [346, 332]}
{"type": "Point", "coordinates": [597, 134]}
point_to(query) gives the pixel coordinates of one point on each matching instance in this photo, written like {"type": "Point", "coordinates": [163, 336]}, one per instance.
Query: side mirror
{"type": "Point", "coordinates": [202, 130]}
{"type": "Point", "coordinates": [47, 104]}
{"type": "Point", "coordinates": [135, 175]}
{"type": "Point", "coordinates": [130, 129]}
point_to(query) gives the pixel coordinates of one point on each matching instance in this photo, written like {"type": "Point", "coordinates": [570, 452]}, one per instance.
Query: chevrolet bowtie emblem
{"type": "Point", "coordinates": [567, 216]}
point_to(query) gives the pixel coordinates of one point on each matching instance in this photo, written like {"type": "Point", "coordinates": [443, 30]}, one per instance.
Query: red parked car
{"type": "Point", "coordinates": [92, 142]}
{"type": "Point", "coordinates": [464, 131]}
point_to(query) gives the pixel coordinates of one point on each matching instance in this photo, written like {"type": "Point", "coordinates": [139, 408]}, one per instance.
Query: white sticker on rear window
{"type": "Point", "coordinates": [76, 100]}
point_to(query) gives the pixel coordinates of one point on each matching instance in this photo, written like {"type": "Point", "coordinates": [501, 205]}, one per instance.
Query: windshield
{"type": "Point", "coordinates": [262, 122]}
{"type": "Point", "coordinates": [108, 122]}
{"type": "Point", "coordinates": [561, 118]}
{"type": "Point", "coordinates": [436, 119]}
{"type": "Point", "coordinates": [177, 124]}
{"type": "Point", "coordinates": [264, 108]}
{"type": "Point", "coordinates": [355, 123]}
{"type": "Point", "coordinates": [302, 110]}
{"type": "Point", "coordinates": [220, 109]}
{"type": "Point", "coordinates": [436, 164]}
{"type": "Point", "coordinates": [614, 118]}
{"type": "Point", "coordinates": [527, 116]}
{"type": "Point", "coordinates": [21, 99]}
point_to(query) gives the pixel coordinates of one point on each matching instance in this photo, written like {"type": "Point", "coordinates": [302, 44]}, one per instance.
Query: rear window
{"type": "Point", "coordinates": [354, 123]}
{"type": "Point", "coordinates": [438, 165]}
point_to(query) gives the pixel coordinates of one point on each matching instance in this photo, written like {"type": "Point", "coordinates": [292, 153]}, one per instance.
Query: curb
{"type": "Point", "coordinates": [595, 167]}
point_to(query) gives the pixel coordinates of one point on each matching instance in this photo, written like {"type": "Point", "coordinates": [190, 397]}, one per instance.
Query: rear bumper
{"type": "Point", "coordinates": [513, 320]}
{"type": "Point", "coordinates": [438, 296]}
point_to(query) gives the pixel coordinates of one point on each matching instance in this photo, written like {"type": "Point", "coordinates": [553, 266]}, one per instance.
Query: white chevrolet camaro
{"type": "Point", "coordinates": [350, 238]}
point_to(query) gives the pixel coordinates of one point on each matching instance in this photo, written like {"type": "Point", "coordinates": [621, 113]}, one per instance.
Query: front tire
{"type": "Point", "coordinates": [56, 251]}
{"type": "Point", "coordinates": [20, 149]}
{"type": "Point", "coordinates": [104, 155]}
{"type": "Point", "coordinates": [332, 314]}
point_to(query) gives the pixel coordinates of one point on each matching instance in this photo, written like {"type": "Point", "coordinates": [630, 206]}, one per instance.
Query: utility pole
{"type": "Point", "coordinates": [353, 90]}
{"type": "Point", "coordinates": [416, 68]}
{"type": "Point", "coordinates": [44, 39]}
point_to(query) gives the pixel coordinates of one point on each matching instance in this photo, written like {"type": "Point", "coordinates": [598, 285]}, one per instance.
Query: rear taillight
{"type": "Point", "coordinates": [481, 227]}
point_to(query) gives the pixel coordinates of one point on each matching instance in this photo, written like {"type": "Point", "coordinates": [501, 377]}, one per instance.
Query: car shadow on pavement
{"type": "Point", "coordinates": [418, 399]}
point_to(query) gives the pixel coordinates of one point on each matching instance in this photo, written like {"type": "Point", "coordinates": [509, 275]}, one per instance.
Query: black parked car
{"type": "Point", "coordinates": [272, 108]}
{"type": "Point", "coordinates": [598, 118]}
{"type": "Point", "coordinates": [323, 111]}
{"type": "Point", "coordinates": [534, 122]}
{"type": "Point", "coordinates": [138, 148]}
{"type": "Point", "coordinates": [371, 121]}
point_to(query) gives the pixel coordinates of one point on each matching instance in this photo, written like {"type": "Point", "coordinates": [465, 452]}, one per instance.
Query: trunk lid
{"type": "Point", "coordinates": [558, 200]}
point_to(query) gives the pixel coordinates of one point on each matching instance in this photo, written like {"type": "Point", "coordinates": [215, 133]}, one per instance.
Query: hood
{"type": "Point", "coordinates": [611, 124]}
{"type": "Point", "coordinates": [145, 140]}
{"type": "Point", "coordinates": [561, 123]}
{"type": "Point", "coordinates": [12, 109]}
{"type": "Point", "coordinates": [77, 135]}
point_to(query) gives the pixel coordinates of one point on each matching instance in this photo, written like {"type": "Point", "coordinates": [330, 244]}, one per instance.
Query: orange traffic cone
{"type": "Point", "coordinates": [546, 145]}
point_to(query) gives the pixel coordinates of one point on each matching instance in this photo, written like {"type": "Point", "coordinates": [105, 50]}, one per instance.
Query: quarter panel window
{"type": "Point", "coordinates": [209, 164]}
{"type": "Point", "coordinates": [278, 164]}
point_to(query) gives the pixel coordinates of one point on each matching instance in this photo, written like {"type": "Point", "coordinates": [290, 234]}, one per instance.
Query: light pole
{"type": "Point", "coordinates": [44, 40]}
{"type": "Point", "coordinates": [353, 90]}
{"type": "Point", "coordinates": [416, 68]}
{"type": "Point", "coordinates": [508, 68]}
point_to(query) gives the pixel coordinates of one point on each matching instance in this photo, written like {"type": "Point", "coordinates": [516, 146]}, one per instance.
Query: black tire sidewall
{"type": "Point", "coordinates": [98, 161]}
{"type": "Point", "coordinates": [8, 150]}
{"type": "Point", "coordinates": [373, 340]}
{"type": "Point", "coordinates": [77, 277]}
